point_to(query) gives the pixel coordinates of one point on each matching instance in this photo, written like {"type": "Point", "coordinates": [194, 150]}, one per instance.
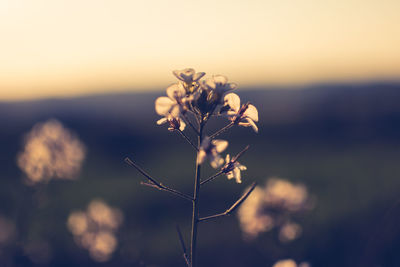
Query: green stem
{"type": "Point", "coordinates": [196, 197]}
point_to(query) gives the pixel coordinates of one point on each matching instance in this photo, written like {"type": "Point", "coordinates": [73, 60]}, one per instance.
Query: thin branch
{"type": "Point", "coordinates": [235, 158]}
{"type": "Point", "coordinates": [211, 178]}
{"type": "Point", "coordinates": [187, 139]}
{"type": "Point", "coordinates": [233, 207]}
{"type": "Point", "coordinates": [185, 256]}
{"type": "Point", "coordinates": [196, 197]}
{"type": "Point", "coordinates": [154, 183]}
{"type": "Point", "coordinates": [224, 169]}
{"type": "Point", "coordinates": [220, 131]}
{"type": "Point", "coordinates": [187, 121]}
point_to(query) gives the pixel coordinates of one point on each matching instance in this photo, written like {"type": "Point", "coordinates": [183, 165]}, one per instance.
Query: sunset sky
{"type": "Point", "coordinates": [68, 47]}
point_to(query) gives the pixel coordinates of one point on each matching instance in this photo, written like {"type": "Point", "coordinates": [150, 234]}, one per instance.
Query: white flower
{"type": "Point", "coordinates": [233, 168]}
{"type": "Point", "coordinates": [174, 123]}
{"type": "Point", "coordinates": [219, 84]}
{"type": "Point", "coordinates": [188, 75]}
{"type": "Point", "coordinates": [211, 149]}
{"type": "Point", "coordinates": [173, 104]}
{"type": "Point", "coordinates": [246, 115]}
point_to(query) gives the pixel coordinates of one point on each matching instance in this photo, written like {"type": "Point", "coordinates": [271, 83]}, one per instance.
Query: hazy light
{"type": "Point", "coordinates": [51, 151]}
{"type": "Point", "coordinates": [273, 206]}
{"type": "Point", "coordinates": [7, 231]}
{"type": "Point", "coordinates": [40, 252]}
{"type": "Point", "coordinates": [60, 47]}
{"type": "Point", "coordinates": [289, 231]}
{"type": "Point", "coordinates": [290, 263]}
{"type": "Point", "coordinates": [95, 229]}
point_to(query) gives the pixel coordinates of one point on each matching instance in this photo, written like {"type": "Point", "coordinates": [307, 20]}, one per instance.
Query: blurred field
{"type": "Point", "coordinates": [341, 141]}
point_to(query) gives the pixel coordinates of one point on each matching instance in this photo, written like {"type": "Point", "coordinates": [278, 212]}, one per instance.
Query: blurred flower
{"type": "Point", "coordinates": [290, 263]}
{"type": "Point", "coordinates": [190, 79]}
{"type": "Point", "coordinates": [219, 84]}
{"type": "Point", "coordinates": [232, 169]}
{"type": "Point", "coordinates": [173, 104]}
{"type": "Point", "coordinates": [7, 231]}
{"type": "Point", "coordinates": [273, 206]}
{"type": "Point", "coordinates": [289, 231]}
{"type": "Point", "coordinates": [252, 220]}
{"type": "Point", "coordinates": [188, 75]}
{"type": "Point", "coordinates": [213, 90]}
{"type": "Point", "coordinates": [285, 263]}
{"type": "Point", "coordinates": [95, 229]}
{"type": "Point", "coordinates": [211, 149]}
{"type": "Point", "coordinates": [40, 252]}
{"type": "Point", "coordinates": [51, 151]}
{"type": "Point", "coordinates": [245, 116]}
{"type": "Point", "coordinates": [174, 123]}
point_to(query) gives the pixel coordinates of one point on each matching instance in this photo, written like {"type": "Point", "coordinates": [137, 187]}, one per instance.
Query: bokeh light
{"type": "Point", "coordinates": [51, 151]}
{"type": "Point", "coordinates": [7, 231]}
{"type": "Point", "coordinates": [273, 206]}
{"type": "Point", "coordinates": [290, 263]}
{"type": "Point", "coordinates": [95, 229]}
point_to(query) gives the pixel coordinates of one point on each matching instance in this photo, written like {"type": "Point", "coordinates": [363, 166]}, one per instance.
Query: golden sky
{"type": "Point", "coordinates": [71, 47]}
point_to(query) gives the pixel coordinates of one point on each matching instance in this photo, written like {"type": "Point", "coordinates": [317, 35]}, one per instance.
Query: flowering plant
{"type": "Point", "coordinates": [193, 102]}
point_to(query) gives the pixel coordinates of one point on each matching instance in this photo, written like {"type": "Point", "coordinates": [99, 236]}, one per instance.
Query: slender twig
{"type": "Point", "coordinates": [220, 131]}
{"type": "Point", "coordinates": [235, 158]}
{"type": "Point", "coordinates": [185, 256]}
{"type": "Point", "coordinates": [155, 184]}
{"type": "Point", "coordinates": [223, 170]}
{"type": "Point", "coordinates": [196, 197]}
{"type": "Point", "coordinates": [187, 139]}
{"type": "Point", "coordinates": [233, 207]}
{"type": "Point", "coordinates": [211, 178]}
{"type": "Point", "coordinates": [187, 121]}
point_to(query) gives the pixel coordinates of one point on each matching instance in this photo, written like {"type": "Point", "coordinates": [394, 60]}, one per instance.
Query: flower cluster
{"type": "Point", "coordinates": [190, 103]}
{"type": "Point", "coordinates": [245, 115]}
{"type": "Point", "coordinates": [51, 151]}
{"type": "Point", "coordinates": [95, 229]}
{"type": "Point", "coordinates": [202, 99]}
{"type": "Point", "coordinates": [273, 206]}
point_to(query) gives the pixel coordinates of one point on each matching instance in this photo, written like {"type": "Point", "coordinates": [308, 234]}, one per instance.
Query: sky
{"type": "Point", "coordinates": [56, 48]}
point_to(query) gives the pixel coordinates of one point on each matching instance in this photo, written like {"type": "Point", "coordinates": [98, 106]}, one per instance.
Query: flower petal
{"type": "Point", "coordinates": [216, 161]}
{"type": "Point", "coordinates": [162, 121]}
{"type": "Point", "coordinates": [242, 167]}
{"type": "Point", "coordinates": [229, 175]}
{"type": "Point", "coordinates": [198, 76]}
{"type": "Point", "coordinates": [176, 91]}
{"type": "Point", "coordinates": [201, 156]}
{"type": "Point", "coordinates": [237, 175]}
{"type": "Point", "coordinates": [177, 74]}
{"type": "Point", "coordinates": [163, 105]}
{"type": "Point", "coordinates": [251, 112]}
{"type": "Point", "coordinates": [182, 126]}
{"type": "Point", "coordinates": [210, 83]}
{"type": "Point", "coordinates": [205, 143]}
{"type": "Point", "coordinates": [244, 124]}
{"type": "Point", "coordinates": [220, 79]}
{"type": "Point", "coordinates": [253, 125]}
{"type": "Point", "coordinates": [187, 75]}
{"type": "Point", "coordinates": [175, 110]}
{"type": "Point", "coordinates": [233, 100]}
{"type": "Point", "coordinates": [231, 86]}
{"type": "Point", "coordinates": [220, 145]}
